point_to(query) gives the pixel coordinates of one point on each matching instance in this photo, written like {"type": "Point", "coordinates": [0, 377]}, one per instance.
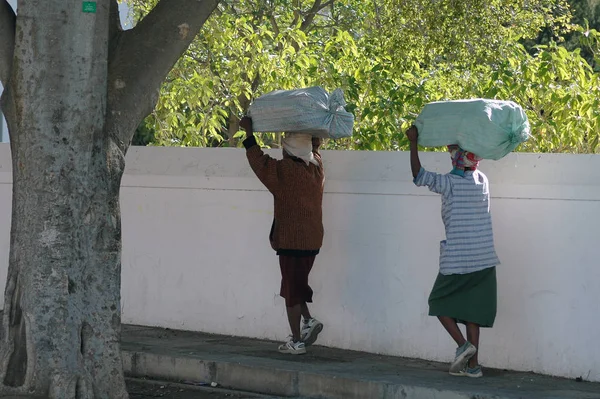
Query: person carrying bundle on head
{"type": "Point", "coordinates": [296, 182]}
{"type": "Point", "coordinates": [465, 288]}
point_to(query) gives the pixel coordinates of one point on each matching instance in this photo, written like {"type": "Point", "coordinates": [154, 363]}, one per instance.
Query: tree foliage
{"type": "Point", "coordinates": [391, 57]}
{"type": "Point", "coordinates": [585, 16]}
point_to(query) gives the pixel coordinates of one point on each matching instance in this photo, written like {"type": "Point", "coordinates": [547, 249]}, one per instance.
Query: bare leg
{"type": "Point", "coordinates": [452, 328]}
{"type": "Point", "coordinates": [294, 314]}
{"type": "Point", "coordinates": [473, 337]}
{"type": "Point", "coordinates": [305, 311]}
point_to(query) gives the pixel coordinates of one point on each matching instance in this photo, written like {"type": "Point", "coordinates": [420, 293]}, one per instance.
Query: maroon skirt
{"type": "Point", "coordinates": [294, 279]}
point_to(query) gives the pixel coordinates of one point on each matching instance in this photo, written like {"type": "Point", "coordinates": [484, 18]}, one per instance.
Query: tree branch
{"type": "Point", "coordinates": [325, 5]}
{"type": "Point", "coordinates": [143, 58]}
{"type": "Point", "coordinates": [114, 27]}
{"type": "Point", "coordinates": [296, 18]}
{"type": "Point", "coordinates": [274, 24]}
{"type": "Point", "coordinates": [7, 40]}
{"type": "Point", "coordinates": [310, 15]}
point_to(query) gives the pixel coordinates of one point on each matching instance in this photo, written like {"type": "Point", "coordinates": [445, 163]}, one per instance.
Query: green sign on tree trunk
{"type": "Point", "coordinates": [89, 6]}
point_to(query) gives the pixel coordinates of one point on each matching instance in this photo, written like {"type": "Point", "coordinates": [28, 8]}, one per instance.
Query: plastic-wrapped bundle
{"type": "Point", "coordinates": [488, 128]}
{"type": "Point", "coordinates": [310, 110]}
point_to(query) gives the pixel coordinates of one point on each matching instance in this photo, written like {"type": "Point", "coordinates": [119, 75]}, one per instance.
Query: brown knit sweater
{"type": "Point", "coordinates": [297, 190]}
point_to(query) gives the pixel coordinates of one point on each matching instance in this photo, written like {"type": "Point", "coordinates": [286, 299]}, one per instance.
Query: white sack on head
{"type": "Point", "coordinates": [299, 145]}
{"type": "Point", "coordinates": [486, 127]}
{"type": "Point", "coordinates": [308, 110]}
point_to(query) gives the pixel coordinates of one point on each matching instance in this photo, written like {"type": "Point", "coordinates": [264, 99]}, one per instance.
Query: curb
{"type": "Point", "coordinates": [278, 381]}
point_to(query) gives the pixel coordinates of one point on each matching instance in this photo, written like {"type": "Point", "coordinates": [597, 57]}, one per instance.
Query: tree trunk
{"type": "Point", "coordinates": [61, 323]}
{"type": "Point", "coordinates": [75, 91]}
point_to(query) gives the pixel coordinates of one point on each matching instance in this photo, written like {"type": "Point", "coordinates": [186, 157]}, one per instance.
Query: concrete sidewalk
{"type": "Point", "coordinates": [256, 366]}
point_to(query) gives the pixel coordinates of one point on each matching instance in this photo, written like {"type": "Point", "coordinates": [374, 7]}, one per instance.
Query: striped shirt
{"type": "Point", "coordinates": [469, 243]}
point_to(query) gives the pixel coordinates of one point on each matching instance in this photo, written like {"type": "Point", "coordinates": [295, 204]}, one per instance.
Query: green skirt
{"type": "Point", "coordinates": [466, 298]}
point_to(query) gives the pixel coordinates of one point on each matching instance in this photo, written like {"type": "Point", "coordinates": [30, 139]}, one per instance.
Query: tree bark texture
{"type": "Point", "coordinates": [69, 101]}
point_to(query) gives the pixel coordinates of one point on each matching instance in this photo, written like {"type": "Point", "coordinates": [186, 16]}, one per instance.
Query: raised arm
{"type": "Point", "coordinates": [265, 167]}
{"type": "Point", "coordinates": [415, 163]}
{"type": "Point", "coordinates": [436, 182]}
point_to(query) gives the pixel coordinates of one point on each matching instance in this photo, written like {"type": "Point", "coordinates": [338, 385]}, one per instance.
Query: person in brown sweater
{"type": "Point", "coordinates": [296, 182]}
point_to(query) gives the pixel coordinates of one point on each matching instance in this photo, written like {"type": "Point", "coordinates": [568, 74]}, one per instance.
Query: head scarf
{"type": "Point", "coordinates": [299, 145]}
{"type": "Point", "coordinates": [462, 159]}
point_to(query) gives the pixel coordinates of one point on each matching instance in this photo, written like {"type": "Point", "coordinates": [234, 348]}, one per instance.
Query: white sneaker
{"type": "Point", "coordinates": [310, 331]}
{"type": "Point", "coordinates": [463, 354]}
{"type": "Point", "coordinates": [293, 348]}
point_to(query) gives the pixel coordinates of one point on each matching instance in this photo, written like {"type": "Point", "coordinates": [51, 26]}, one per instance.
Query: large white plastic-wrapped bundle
{"type": "Point", "coordinates": [488, 128]}
{"type": "Point", "coordinates": [311, 110]}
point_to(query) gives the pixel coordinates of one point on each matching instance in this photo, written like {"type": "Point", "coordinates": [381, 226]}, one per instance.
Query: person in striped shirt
{"type": "Point", "coordinates": [465, 289]}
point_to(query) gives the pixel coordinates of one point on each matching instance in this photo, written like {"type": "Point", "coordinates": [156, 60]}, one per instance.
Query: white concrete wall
{"type": "Point", "coordinates": [196, 255]}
